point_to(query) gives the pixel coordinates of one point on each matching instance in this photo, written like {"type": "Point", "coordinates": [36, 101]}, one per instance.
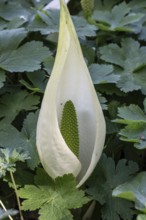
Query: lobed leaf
{"type": "Point", "coordinates": [28, 57]}
{"type": "Point", "coordinates": [134, 190]}
{"type": "Point", "coordinates": [25, 140]}
{"type": "Point", "coordinates": [53, 199]}
{"type": "Point", "coordinates": [130, 62]}
{"type": "Point", "coordinates": [12, 104]}
{"type": "Point", "coordinates": [106, 177]}
{"type": "Point", "coordinates": [135, 120]}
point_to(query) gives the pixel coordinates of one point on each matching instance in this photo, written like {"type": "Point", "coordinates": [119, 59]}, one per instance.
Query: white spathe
{"type": "Point", "coordinates": [55, 4]}
{"type": "Point", "coordinates": [70, 80]}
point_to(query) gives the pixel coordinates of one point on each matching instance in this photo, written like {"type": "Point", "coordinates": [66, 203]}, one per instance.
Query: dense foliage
{"type": "Point", "coordinates": [113, 41]}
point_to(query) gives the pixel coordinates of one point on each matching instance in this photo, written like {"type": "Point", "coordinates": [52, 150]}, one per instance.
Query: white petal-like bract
{"type": "Point", "coordinates": [70, 80]}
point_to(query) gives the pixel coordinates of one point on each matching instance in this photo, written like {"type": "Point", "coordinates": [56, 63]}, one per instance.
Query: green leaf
{"type": "Point", "coordinates": [88, 53]}
{"type": "Point", "coordinates": [106, 177]}
{"type": "Point", "coordinates": [2, 78]}
{"type": "Point", "coordinates": [28, 86]}
{"type": "Point", "coordinates": [102, 74]}
{"type": "Point", "coordinates": [46, 22]}
{"type": "Point", "coordinates": [110, 89]}
{"type": "Point", "coordinates": [53, 199]}
{"type": "Point", "coordinates": [38, 79]}
{"type": "Point", "coordinates": [28, 134]}
{"type": "Point", "coordinates": [10, 40]}
{"type": "Point", "coordinates": [22, 175]}
{"type": "Point", "coordinates": [17, 22]}
{"type": "Point", "coordinates": [3, 24]}
{"type": "Point", "coordinates": [14, 156]}
{"type": "Point", "coordinates": [83, 28]}
{"type": "Point", "coordinates": [137, 4]}
{"type": "Point", "coordinates": [8, 159]}
{"type": "Point", "coordinates": [111, 127]}
{"type": "Point", "coordinates": [42, 178]}
{"type": "Point", "coordinates": [142, 34]}
{"type": "Point", "coordinates": [48, 64]}
{"type": "Point", "coordinates": [58, 207]}
{"type": "Point", "coordinates": [141, 217]}
{"type": "Point", "coordinates": [132, 113]}
{"type": "Point", "coordinates": [105, 4]}
{"type": "Point", "coordinates": [25, 140]}
{"type": "Point", "coordinates": [135, 131]}
{"type": "Point", "coordinates": [113, 108]}
{"type": "Point", "coordinates": [28, 57]}
{"type": "Point", "coordinates": [130, 62]}
{"type": "Point", "coordinates": [12, 9]}
{"type": "Point", "coordinates": [117, 19]}
{"type": "Point", "coordinates": [9, 136]}
{"type": "Point", "coordinates": [134, 190]}
{"type": "Point", "coordinates": [102, 100]}
{"type": "Point", "coordinates": [12, 104]}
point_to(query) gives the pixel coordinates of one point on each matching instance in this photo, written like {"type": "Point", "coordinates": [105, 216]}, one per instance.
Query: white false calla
{"type": "Point", "coordinates": [70, 80]}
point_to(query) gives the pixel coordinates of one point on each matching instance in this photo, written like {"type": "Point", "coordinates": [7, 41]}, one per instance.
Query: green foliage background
{"type": "Point", "coordinates": [113, 41]}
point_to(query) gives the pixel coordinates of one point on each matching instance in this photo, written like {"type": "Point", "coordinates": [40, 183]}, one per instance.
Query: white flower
{"type": "Point", "coordinates": [70, 81]}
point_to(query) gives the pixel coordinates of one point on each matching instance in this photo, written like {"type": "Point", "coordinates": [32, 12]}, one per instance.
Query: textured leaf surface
{"type": "Point", "coordinates": [25, 140]}
{"type": "Point", "coordinates": [130, 61]}
{"type": "Point", "coordinates": [54, 199]}
{"type": "Point", "coordinates": [83, 28]}
{"type": "Point", "coordinates": [134, 190]}
{"type": "Point", "coordinates": [132, 113]}
{"type": "Point", "coordinates": [102, 101]}
{"type": "Point", "coordinates": [12, 104]}
{"type": "Point", "coordinates": [28, 57]}
{"type": "Point", "coordinates": [117, 19]}
{"type": "Point", "coordinates": [135, 119]}
{"type": "Point", "coordinates": [106, 177]}
{"type": "Point", "coordinates": [105, 5]}
{"type": "Point", "coordinates": [28, 134]}
{"type": "Point", "coordinates": [8, 159]}
{"type": "Point", "coordinates": [11, 39]}
{"type": "Point", "coordinates": [102, 74]}
{"type": "Point", "coordinates": [46, 22]}
{"type": "Point", "coordinates": [38, 79]}
{"type": "Point", "coordinates": [13, 9]}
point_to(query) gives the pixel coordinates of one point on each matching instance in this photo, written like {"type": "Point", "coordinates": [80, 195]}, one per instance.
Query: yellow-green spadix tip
{"type": "Point", "coordinates": [69, 127]}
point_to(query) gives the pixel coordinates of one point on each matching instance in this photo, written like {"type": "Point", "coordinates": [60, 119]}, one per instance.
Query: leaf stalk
{"type": "Point", "coordinates": [16, 193]}
{"type": "Point", "coordinates": [4, 208]}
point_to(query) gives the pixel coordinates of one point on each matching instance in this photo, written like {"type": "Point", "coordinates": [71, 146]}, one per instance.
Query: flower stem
{"type": "Point", "coordinates": [17, 197]}
{"type": "Point", "coordinates": [4, 208]}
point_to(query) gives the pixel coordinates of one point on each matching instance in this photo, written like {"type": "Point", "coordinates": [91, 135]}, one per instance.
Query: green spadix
{"type": "Point", "coordinates": [69, 127]}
